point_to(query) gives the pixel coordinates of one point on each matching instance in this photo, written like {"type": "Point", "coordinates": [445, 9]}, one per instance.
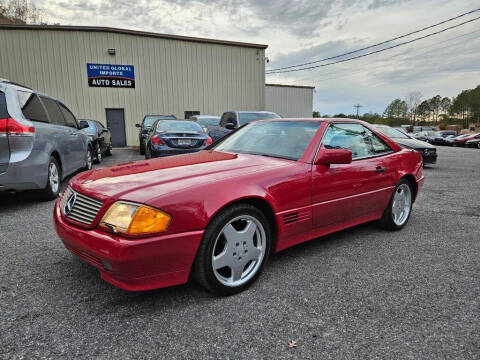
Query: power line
{"type": "Point", "coordinates": [434, 46]}
{"type": "Point", "coordinates": [378, 44]}
{"type": "Point", "coordinates": [377, 51]}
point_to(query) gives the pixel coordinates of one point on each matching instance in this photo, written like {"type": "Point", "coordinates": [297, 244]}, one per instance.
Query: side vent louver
{"type": "Point", "coordinates": [290, 218]}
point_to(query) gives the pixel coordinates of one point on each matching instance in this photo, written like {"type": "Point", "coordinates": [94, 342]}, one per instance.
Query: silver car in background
{"type": "Point", "coordinates": [40, 141]}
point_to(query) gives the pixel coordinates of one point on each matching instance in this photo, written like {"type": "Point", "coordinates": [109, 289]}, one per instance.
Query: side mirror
{"type": "Point", "coordinates": [104, 131]}
{"type": "Point", "coordinates": [230, 126]}
{"type": "Point", "coordinates": [333, 156]}
{"type": "Point", "coordinates": [138, 125]}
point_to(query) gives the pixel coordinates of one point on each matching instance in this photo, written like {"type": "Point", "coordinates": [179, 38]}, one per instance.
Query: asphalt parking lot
{"type": "Point", "coordinates": [361, 293]}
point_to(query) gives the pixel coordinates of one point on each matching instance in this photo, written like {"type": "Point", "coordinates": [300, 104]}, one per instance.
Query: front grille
{"type": "Point", "coordinates": [84, 209]}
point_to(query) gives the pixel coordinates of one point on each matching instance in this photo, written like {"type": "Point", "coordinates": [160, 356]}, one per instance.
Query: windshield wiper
{"type": "Point", "coordinates": [273, 156]}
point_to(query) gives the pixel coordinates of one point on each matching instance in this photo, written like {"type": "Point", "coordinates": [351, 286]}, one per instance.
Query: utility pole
{"type": "Point", "coordinates": [357, 106]}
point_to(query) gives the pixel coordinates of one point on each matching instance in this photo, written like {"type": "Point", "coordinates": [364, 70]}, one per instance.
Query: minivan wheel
{"type": "Point", "coordinates": [234, 249]}
{"type": "Point", "coordinates": [98, 154]}
{"type": "Point", "coordinates": [53, 181]}
{"type": "Point", "coordinates": [109, 150]}
{"type": "Point", "coordinates": [399, 209]}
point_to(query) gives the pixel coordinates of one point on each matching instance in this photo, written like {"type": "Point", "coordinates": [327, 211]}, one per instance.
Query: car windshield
{"type": "Point", "coordinates": [92, 127]}
{"type": "Point", "coordinates": [245, 118]}
{"type": "Point", "coordinates": [150, 119]}
{"type": "Point", "coordinates": [282, 139]}
{"type": "Point", "coordinates": [175, 125]}
{"type": "Point", "coordinates": [431, 133]}
{"type": "Point", "coordinates": [208, 121]}
{"type": "Point", "coordinates": [392, 133]}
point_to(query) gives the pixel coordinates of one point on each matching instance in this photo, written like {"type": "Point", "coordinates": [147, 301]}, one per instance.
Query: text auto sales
{"type": "Point", "coordinates": [107, 75]}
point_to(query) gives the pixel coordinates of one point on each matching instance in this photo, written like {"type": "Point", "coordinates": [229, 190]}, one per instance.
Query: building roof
{"type": "Point", "coordinates": [129, 32]}
{"type": "Point", "coordinates": [292, 86]}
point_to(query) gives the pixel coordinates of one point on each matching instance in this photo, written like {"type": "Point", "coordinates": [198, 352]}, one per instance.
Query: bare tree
{"type": "Point", "coordinates": [414, 99]}
{"type": "Point", "coordinates": [19, 12]}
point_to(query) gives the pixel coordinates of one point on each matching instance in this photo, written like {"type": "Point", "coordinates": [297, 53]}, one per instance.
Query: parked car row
{"type": "Point", "coordinates": [448, 138]}
{"type": "Point", "coordinates": [163, 135]}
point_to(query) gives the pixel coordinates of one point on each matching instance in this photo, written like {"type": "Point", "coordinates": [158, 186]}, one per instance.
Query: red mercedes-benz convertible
{"type": "Point", "coordinates": [217, 214]}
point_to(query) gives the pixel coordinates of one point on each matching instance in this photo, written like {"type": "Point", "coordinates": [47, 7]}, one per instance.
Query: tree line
{"type": "Point", "coordinates": [462, 109]}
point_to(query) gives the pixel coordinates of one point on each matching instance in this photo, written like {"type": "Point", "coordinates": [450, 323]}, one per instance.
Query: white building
{"type": "Point", "coordinates": [289, 101]}
{"type": "Point", "coordinates": [118, 76]}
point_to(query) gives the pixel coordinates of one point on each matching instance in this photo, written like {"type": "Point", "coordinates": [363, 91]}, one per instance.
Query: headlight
{"type": "Point", "coordinates": [135, 219]}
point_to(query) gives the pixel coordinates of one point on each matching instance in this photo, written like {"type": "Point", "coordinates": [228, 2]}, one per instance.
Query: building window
{"type": "Point", "coordinates": [189, 114]}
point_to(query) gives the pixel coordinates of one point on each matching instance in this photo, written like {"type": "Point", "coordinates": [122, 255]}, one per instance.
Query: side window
{"type": "Point", "coordinates": [31, 106]}
{"type": "Point", "coordinates": [69, 118]}
{"type": "Point", "coordinates": [228, 117]}
{"type": "Point", "coordinates": [356, 138]}
{"type": "Point", "coordinates": [378, 145]}
{"type": "Point", "coordinates": [53, 110]}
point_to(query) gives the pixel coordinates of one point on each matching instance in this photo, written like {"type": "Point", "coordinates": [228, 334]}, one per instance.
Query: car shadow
{"type": "Point", "coordinates": [119, 301]}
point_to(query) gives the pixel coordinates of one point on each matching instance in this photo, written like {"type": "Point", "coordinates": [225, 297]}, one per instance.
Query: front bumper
{"type": "Point", "coordinates": [429, 158]}
{"type": "Point", "coordinates": [132, 264]}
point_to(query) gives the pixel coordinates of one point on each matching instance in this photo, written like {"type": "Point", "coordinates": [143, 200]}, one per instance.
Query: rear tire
{"type": "Point", "coordinates": [98, 154]}
{"type": "Point", "coordinates": [398, 211]}
{"type": "Point", "coordinates": [89, 163]}
{"type": "Point", "coordinates": [109, 150]}
{"type": "Point", "coordinates": [238, 241]}
{"type": "Point", "coordinates": [53, 180]}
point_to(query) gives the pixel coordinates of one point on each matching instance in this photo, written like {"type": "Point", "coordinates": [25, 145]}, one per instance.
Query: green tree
{"type": "Point", "coordinates": [435, 104]}
{"type": "Point", "coordinates": [396, 112]}
{"type": "Point", "coordinates": [316, 114]}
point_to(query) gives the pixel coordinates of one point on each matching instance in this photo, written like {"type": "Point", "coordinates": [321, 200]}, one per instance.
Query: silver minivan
{"type": "Point", "coordinates": [40, 141]}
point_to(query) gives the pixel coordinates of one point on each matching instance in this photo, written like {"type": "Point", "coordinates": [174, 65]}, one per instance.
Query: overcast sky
{"type": "Point", "coordinates": [307, 30]}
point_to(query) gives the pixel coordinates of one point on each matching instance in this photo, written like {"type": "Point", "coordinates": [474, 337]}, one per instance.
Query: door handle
{"type": "Point", "coordinates": [380, 169]}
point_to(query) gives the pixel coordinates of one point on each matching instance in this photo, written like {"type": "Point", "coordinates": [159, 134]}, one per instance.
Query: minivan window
{"type": "Point", "coordinates": [69, 118]}
{"type": "Point", "coordinates": [31, 106]}
{"type": "Point", "coordinates": [54, 112]}
{"type": "Point", "coordinates": [3, 106]}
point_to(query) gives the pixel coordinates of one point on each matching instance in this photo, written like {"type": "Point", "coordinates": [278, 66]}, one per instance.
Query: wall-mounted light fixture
{"type": "Point", "coordinates": [111, 51]}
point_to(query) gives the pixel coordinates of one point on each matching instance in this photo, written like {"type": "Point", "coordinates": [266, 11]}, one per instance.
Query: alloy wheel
{"type": "Point", "coordinates": [402, 204]}
{"type": "Point", "coordinates": [238, 251]}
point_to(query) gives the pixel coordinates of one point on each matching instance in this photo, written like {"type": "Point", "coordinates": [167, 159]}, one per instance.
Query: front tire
{"type": "Point", "coordinates": [234, 250]}
{"type": "Point", "coordinates": [398, 211]}
{"type": "Point", "coordinates": [142, 149]}
{"type": "Point", "coordinates": [53, 181]}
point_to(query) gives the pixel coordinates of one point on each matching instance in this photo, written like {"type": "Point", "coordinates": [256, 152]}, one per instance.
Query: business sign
{"type": "Point", "coordinates": [108, 75]}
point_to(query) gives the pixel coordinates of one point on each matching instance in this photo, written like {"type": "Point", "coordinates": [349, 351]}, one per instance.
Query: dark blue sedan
{"type": "Point", "coordinates": [173, 137]}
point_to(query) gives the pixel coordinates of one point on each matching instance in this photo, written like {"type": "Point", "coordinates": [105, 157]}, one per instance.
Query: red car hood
{"type": "Point", "coordinates": [141, 181]}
